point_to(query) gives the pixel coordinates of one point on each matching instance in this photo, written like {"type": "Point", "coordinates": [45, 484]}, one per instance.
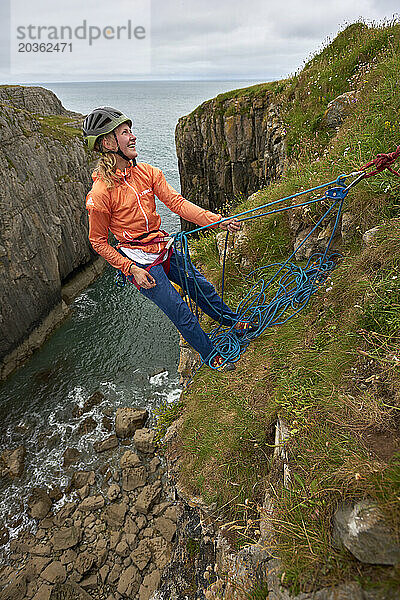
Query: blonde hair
{"type": "Point", "coordinates": [105, 168]}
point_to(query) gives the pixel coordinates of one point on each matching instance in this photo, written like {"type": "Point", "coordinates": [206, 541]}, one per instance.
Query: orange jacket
{"type": "Point", "coordinates": [128, 210]}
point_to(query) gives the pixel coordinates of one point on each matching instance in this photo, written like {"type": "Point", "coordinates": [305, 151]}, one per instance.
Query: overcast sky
{"type": "Point", "coordinates": [188, 39]}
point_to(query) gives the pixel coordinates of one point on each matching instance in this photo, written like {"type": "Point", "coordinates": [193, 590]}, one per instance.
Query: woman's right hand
{"type": "Point", "coordinates": [142, 277]}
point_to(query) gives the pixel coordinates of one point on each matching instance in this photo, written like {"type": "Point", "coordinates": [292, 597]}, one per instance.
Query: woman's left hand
{"type": "Point", "coordinates": [231, 225]}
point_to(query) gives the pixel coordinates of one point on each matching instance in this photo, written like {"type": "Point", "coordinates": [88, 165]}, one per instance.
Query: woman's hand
{"type": "Point", "coordinates": [142, 277]}
{"type": "Point", "coordinates": [231, 225]}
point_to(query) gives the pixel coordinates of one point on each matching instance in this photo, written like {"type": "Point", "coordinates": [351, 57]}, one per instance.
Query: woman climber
{"type": "Point", "coordinates": [122, 201]}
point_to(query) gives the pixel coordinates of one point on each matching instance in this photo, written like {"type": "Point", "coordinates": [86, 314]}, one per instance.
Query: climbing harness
{"type": "Point", "coordinates": [281, 290]}
{"type": "Point", "coordinates": [163, 258]}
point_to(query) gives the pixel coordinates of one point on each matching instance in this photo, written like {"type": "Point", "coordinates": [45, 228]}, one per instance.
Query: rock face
{"type": "Point", "coordinates": [36, 99]}
{"type": "Point", "coordinates": [228, 148]}
{"type": "Point", "coordinates": [45, 175]}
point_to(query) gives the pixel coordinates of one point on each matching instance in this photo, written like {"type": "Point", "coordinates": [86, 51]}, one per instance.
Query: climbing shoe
{"type": "Point", "coordinates": [218, 363]}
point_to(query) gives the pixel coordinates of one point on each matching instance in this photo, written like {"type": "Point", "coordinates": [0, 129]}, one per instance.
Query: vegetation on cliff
{"type": "Point", "coordinates": [332, 373]}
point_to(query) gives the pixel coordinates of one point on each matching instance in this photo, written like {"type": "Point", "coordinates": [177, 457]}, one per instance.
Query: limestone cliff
{"type": "Point", "coordinates": [37, 100]}
{"type": "Point", "coordinates": [230, 146]}
{"type": "Point", "coordinates": [45, 175]}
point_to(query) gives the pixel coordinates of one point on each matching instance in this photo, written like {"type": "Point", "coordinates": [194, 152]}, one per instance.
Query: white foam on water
{"type": "Point", "coordinates": [84, 307]}
{"type": "Point", "coordinates": [159, 379]}
{"type": "Point", "coordinates": [173, 395]}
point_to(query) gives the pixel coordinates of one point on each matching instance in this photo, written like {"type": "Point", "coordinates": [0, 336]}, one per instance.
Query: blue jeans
{"type": "Point", "coordinates": [169, 300]}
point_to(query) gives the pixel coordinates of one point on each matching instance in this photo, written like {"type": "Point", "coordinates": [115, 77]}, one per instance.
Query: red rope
{"type": "Point", "coordinates": [382, 162]}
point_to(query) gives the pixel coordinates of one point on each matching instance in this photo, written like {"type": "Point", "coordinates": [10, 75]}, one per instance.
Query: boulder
{"type": "Point", "coordinates": [129, 582]}
{"type": "Point", "coordinates": [154, 464]}
{"type": "Point", "coordinates": [171, 513]}
{"type": "Point", "coordinates": [43, 593]}
{"type": "Point", "coordinates": [91, 503]}
{"type": "Point", "coordinates": [54, 573]}
{"type": "Point", "coordinates": [55, 493]}
{"type": "Point", "coordinates": [80, 479]}
{"type": "Point", "coordinates": [107, 423]}
{"type": "Point", "coordinates": [149, 585]}
{"type": "Point", "coordinates": [122, 548]}
{"type": "Point", "coordinates": [90, 403]}
{"type": "Point", "coordinates": [103, 572]}
{"type": "Point", "coordinates": [189, 361]}
{"type": "Point", "coordinates": [142, 555]}
{"type": "Point", "coordinates": [85, 562]}
{"type": "Point", "coordinates": [16, 590]}
{"type": "Point", "coordinates": [144, 440]}
{"type": "Point", "coordinates": [133, 478]}
{"type": "Point", "coordinates": [70, 455]}
{"type": "Point", "coordinates": [35, 566]}
{"type": "Point", "coordinates": [64, 513]}
{"type": "Point", "coordinates": [12, 462]}
{"type": "Point", "coordinates": [166, 527]}
{"type": "Point", "coordinates": [66, 537]}
{"type": "Point", "coordinates": [115, 538]}
{"type": "Point", "coordinates": [114, 574]}
{"type": "Point", "coordinates": [41, 550]}
{"type": "Point", "coordinates": [87, 425]}
{"type": "Point", "coordinates": [39, 503]}
{"type": "Point", "coordinates": [90, 582]}
{"type": "Point", "coordinates": [84, 492]}
{"type": "Point", "coordinates": [160, 552]}
{"type": "Point", "coordinates": [113, 492]}
{"type": "Point", "coordinates": [141, 522]}
{"type": "Point", "coordinates": [68, 556]}
{"type": "Point", "coordinates": [70, 590]}
{"type": "Point", "coordinates": [128, 419]}
{"type": "Point", "coordinates": [338, 109]}
{"type": "Point", "coordinates": [114, 515]}
{"type": "Point", "coordinates": [147, 497]}
{"type": "Point", "coordinates": [107, 444]}
{"type": "Point", "coordinates": [130, 526]}
{"type": "Point", "coordinates": [362, 529]}
{"type": "Point", "coordinates": [129, 459]}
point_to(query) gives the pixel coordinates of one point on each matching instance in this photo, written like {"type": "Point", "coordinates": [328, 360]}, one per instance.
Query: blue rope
{"type": "Point", "coordinates": [291, 286]}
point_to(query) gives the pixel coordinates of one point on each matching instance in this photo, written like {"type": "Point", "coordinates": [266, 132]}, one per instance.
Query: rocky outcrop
{"type": "Point", "coordinates": [338, 109]}
{"type": "Point", "coordinates": [37, 100]}
{"type": "Point", "coordinates": [228, 148]}
{"type": "Point", "coordinates": [45, 175]}
{"type": "Point", "coordinates": [205, 566]}
{"type": "Point", "coordinates": [363, 530]}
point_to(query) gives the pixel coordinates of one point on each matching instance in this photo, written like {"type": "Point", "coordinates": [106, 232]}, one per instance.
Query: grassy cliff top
{"type": "Point", "coordinates": [332, 373]}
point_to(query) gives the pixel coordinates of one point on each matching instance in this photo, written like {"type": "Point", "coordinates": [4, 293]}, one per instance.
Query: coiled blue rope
{"type": "Point", "coordinates": [275, 299]}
